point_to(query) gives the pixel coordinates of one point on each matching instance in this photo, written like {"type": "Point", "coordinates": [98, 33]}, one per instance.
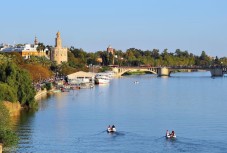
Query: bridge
{"type": "Point", "coordinates": [166, 71]}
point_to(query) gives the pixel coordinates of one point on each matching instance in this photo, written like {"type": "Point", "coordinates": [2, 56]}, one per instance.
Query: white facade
{"type": "Point", "coordinates": [81, 77]}
{"type": "Point", "coordinates": [26, 47]}
{"type": "Point", "coordinates": [25, 50]}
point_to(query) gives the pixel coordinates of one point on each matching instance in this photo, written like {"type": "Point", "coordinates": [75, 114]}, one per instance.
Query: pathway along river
{"type": "Point", "coordinates": [192, 104]}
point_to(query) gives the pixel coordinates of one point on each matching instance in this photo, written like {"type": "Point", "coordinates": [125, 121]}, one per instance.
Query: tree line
{"type": "Point", "coordinates": [138, 57]}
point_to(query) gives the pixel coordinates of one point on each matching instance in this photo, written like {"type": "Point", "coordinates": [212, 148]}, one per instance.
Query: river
{"type": "Point", "coordinates": [194, 105]}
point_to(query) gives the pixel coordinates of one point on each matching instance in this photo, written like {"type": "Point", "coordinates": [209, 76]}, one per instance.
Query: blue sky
{"type": "Point", "coordinates": [193, 25]}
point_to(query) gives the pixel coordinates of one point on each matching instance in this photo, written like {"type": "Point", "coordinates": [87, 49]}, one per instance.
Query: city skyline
{"type": "Point", "coordinates": [189, 25]}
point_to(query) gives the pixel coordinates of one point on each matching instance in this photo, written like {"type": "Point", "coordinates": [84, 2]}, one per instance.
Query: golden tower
{"type": "Point", "coordinates": [58, 53]}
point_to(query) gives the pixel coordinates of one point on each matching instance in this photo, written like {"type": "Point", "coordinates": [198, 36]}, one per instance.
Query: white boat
{"type": "Point", "coordinates": [110, 74]}
{"type": "Point", "coordinates": [102, 78]}
{"type": "Point", "coordinates": [111, 130]}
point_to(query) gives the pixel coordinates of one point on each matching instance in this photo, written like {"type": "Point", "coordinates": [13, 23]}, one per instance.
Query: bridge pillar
{"type": "Point", "coordinates": [163, 71]}
{"type": "Point", "coordinates": [216, 72]}
{"type": "Point", "coordinates": [115, 70]}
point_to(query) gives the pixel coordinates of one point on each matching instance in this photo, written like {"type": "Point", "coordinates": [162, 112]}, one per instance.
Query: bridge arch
{"type": "Point", "coordinates": [120, 71]}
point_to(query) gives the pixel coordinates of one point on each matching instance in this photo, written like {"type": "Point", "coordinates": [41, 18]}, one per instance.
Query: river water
{"type": "Point", "coordinates": [194, 105]}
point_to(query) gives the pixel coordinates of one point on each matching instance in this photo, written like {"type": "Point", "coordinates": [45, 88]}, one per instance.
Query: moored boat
{"type": "Point", "coordinates": [101, 79]}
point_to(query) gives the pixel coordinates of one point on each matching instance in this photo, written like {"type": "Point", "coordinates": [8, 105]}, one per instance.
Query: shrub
{"type": "Point", "coordinates": [7, 136]}
{"type": "Point", "coordinates": [7, 93]}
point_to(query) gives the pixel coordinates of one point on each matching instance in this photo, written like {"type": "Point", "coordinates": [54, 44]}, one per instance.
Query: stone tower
{"type": "Point", "coordinates": [36, 41]}
{"type": "Point", "coordinates": [58, 40]}
{"type": "Point", "coordinates": [58, 53]}
{"type": "Point", "coordinates": [110, 49]}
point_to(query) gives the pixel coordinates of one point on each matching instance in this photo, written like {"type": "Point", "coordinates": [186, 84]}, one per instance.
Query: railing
{"type": "Point", "coordinates": [172, 67]}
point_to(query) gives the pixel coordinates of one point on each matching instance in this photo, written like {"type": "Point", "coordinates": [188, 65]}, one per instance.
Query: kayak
{"type": "Point", "coordinates": [111, 130]}
{"type": "Point", "coordinates": [171, 136]}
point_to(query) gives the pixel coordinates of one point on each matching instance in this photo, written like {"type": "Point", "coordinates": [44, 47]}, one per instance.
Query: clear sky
{"type": "Point", "coordinates": [193, 25]}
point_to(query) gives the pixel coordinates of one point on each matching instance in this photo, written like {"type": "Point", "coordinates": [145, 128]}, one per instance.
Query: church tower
{"type": "Point", "coordinates": [36, 41]}
{"type": "Point", "coordinates": [58, 53]}
{"type": "Point", "coordinates": [110, 51]}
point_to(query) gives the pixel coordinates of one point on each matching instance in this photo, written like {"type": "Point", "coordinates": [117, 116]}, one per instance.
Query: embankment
{"type": "Point", "coordinates": [14, 108]}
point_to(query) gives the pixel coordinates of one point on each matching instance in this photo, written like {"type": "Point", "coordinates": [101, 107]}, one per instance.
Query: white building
{"type": "Point", "coordinates": [81, 77]}
{"type": "Point", "coordinates": [25, 50]}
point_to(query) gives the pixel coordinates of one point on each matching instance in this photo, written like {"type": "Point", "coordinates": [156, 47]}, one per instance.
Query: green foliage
{"type": "Point", "coordinates": [7, 136]}
{"type": "Point", "coordinates": [26, 91]}
{"type": "Point", "coordinates": [16, 81]}
{"type": "Point", "coordinates": [4, 117]}
{"type": "Point", "coordinates": [104, 68]}
{"type": "Point", "coordinates": [7, 93]}
{"type": "Point", "coordinates": [79, 54]}
{"type": "Point", "coordinates": [39, 60]}
{"type": "Point", "coordinates": [40, 47]}
{"type": "Point", "coordinates": [48, 86]}
{"type": "Point", "coordinates": [223, 61]}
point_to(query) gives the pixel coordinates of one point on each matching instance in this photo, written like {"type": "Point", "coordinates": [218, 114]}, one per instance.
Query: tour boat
{"type": "Point", "coordinates": [111, 130]}
{"type": "Point", "coordinates": [102, 79]}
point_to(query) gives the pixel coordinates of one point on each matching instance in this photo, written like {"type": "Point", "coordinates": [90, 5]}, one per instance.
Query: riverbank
{"type": "Point", "coordinates": [40, 93]}
{"type": "Point", "coordinates": [14, 108]}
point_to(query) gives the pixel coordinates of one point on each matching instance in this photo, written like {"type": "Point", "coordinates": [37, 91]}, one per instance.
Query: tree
{"type": "Point", "coordinates": [217, 62]}
{"type": "Point", "coordinates": [38, 72]}
{"type": "Point", "coordinates": [26, 91]}
{"type": "Point", "coordinates": [7, 136]}
{"type": "Point", "coordinates": [20, 82]}
{"type": "Point", "coordinates": [155, 53]}
{"type": "Point", "coordinates": [40, 47]}
{"type": "Point", "coordinates": [204, 59]}
{"type": "Point", "coordinates": [7, 93]}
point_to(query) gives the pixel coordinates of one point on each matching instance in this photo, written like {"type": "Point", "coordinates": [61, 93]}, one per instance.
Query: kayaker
{"type": "Point", "coordinates": [167, 132]}
{"type": "Point", "coordinates": [172, 133]}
